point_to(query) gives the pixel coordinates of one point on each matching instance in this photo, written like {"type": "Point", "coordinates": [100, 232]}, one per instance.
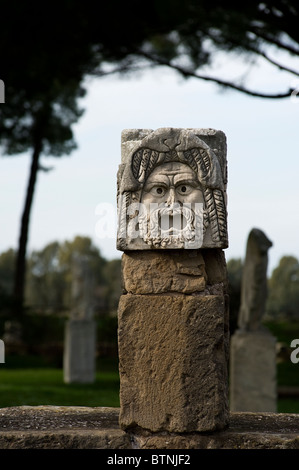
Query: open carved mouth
{"type": "Point", "coordinates": [172, 223]}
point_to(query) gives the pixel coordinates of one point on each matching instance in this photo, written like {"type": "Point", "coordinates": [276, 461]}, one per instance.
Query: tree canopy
{"type": "Point", "coordinates": [187, 35]}
{"type": "Point", "coordinates": [50, 276]}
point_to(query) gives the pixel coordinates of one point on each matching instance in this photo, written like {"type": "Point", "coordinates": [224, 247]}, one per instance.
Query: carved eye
{"type": "Point", "coordinates": [184, 189]}
{"type": "Point", "coordinates": [158, 191]}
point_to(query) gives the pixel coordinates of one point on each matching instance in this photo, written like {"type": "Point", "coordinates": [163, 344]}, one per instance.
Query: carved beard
{"type": "Point", "coordinates": [168, 225]}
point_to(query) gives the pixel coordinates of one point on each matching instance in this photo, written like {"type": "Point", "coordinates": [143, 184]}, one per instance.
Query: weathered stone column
{"type": "Point", "coordinates": [79, 351]}
{"type": "Point", "coordinates": [79, 357]}
{"type": "Point", "coordinates": [253, 347]}
{"type": "Point", "coordinates": [173, 315]}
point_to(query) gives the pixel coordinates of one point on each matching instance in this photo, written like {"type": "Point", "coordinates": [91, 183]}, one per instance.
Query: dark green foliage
{"type": "Point", "coordinates": [49, 277]}
{"type": "Point", "coordinates": [283, 300]}
{"type": "Point", "coordinates": [285, 331]}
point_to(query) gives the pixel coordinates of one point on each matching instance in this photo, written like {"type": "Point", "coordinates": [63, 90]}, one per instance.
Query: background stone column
{"type": "Point", "coordinates": [253, 347]}
{"type": "Point", "coordinates": [79, 357]}
{"type": "Point", "coordinates": [79, 351]}
{"type": "Point", "coordinates": [173, 315]}
{"type": "Point", "coordinates": [253, 372]}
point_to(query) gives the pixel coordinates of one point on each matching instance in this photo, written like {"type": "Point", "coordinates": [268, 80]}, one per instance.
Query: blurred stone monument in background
{"type": "Point", "coordinates": [173, 315]}
{"type": "Point", "coordinates": [80, 332]}
{"type": "Point", "coordinates": [252, 346]}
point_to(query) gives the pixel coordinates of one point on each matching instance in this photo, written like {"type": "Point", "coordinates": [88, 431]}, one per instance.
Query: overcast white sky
{"type": "Point", "coordinates": [263, 160]}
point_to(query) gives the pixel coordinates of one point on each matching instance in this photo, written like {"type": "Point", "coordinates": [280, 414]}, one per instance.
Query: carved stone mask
{"type": "Point", "coordinates": [171, 192]}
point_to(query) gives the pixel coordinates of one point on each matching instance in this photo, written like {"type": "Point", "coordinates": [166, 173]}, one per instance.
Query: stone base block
{"type": "Point", "coordinates": [68, 427]}
{"type": "Point", "coordinates": [178, 271]}
{"type": "Point", "coordinates": [79, 351]}
{"type": "Point", "coordinates": [253, 372]}
{"type": "Point", "coordinates": [173, 362]}
{"type": "Point", "coordinates": [164, 272]}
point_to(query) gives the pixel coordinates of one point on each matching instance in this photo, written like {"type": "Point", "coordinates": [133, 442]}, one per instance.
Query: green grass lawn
{"type": "Point", "coordinates": [45, 386]}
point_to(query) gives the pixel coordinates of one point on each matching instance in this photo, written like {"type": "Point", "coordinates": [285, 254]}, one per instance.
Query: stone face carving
{"type": "Point", "coordinates": [172, 189]}
{"type": "Point", "coordinates": [254, 281]}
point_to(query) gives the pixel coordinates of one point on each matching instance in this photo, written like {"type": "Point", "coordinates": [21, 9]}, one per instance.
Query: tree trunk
{"type": "Point", "coordinates": [20, 272]}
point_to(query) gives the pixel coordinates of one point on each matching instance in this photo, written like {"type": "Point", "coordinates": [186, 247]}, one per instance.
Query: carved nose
{"type": "Point", "coordinates": [171, 197]}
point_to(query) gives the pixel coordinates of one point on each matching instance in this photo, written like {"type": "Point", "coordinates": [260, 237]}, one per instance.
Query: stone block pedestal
{"type": "Point", "coordinates": [173, 347]}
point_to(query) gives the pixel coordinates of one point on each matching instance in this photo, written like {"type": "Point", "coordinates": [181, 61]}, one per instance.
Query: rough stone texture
{"type": "Point", "coordinates": [253, 371]}
{"type": "Point", "coordinates": [56, 427]}
{"type": "Point", "coordinates": [174, 340]}
{"type": "Point", "coordinates": [79, 351]}
{"type": "Point", "coordinates": [173, 362]}
{"type": "Point", "coordinates": [61, 427]}
{"type": "Point", "coordinates": [175, 271]}
{"type": "Point", "coordinates": [215, 266]}
{"type": "Point", "coordinates": [245, 431]}
{"type": "Point", "coordinates": [180, 271]}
